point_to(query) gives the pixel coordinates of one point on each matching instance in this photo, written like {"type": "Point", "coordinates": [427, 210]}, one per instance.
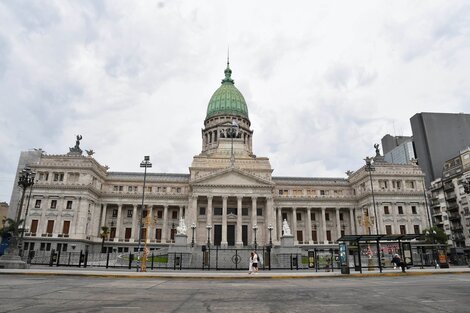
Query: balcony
{"type": "Point", "coordinates": [454, 216]}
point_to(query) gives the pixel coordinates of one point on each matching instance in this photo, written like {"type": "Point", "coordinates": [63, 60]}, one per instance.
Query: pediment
{"type": "Point", "coordinates": [232, 177]}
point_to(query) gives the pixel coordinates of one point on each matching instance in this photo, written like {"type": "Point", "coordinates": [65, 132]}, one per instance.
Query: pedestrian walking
{"type": "Point", "coordinates": [255, 262]}
{"type": "Point", "coordinates": [250, 265]}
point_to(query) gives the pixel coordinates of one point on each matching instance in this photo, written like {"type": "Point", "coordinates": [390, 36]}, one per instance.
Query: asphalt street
{"type": "Point", "coordinates": [433, 293]}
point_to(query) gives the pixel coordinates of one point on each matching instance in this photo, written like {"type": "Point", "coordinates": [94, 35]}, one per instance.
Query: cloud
{"type": "Point", "coordinates": [324, 81]}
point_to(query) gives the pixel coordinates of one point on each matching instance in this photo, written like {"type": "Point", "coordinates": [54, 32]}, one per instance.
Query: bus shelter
{"type": "Point", "coordinates": [376, 251]}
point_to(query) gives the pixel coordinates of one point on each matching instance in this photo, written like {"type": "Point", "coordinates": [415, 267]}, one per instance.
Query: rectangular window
{"type": "Point", "coordinates": [259, 212]}
{"type": "Point", "coordinates": [158, 234]}
{"type": "Point", "coordinates": [386, 210]}
{"type": "Point", "coordinates": [66, 228]}
{"type": "Point", "coordinates": [48, 246]}
{"type": "Point", "coordinates": [328, 235]}
{"type": "Point", "coordinates": [121, 188]}
{"type": "Point", "coordinates": [37, 205]}
{"type": "Point", "coordinates": [388, 229]}
{"type": "Point", "coordinates": [143, 233]}
{"type": "Point", "coordinates": [58, 176]}
{"type": "Point", "coordinates": [174, 214]}
{"type": "Point", "coordinates": [178, 190]}
{"type": "Point", "coordinates": [400, 209]}
{"type": "Point", "coordinates": [284, 216]}
{"type": "Point", "coordinates": [327, 216]}
{"type": "Point", "coordinates": [300, 236]}
{"type": "Point", "coordinates": [402, 229]}
{"type": "Point", "coordinates": [322, 192]}
{"type": "Point", "coordinates": [43, 246]}
{"type": "Point", "coordinates": [413, 209]}
{"type": "Point", "coordinates": [299, 216]}
{"type": "Point", "coordinates": [202, 211]}
{"type": "Point", "coordinates": [244, 211]}
{"type": "Point", "coordinates": [115, 212]}
{"type": "Point", "coordinates": [149, 189]}
{"type": "Point", "coordinates": [314, 236]}
{"type": "Point", "coordinates": [172, 234]}
{"type": "Point", "coordinates": [34, 226]}
{"type": "Point", "coordinates": [416, 229]}
{"type": "Point", "coordinates": [129, 213]}
{"type": "Point", "coordinates": [128, 233]}
{"type": "Point", "coordinates": [50, 227]}
{"type": "Point", "coordinates": [64, 247]}
{"type": "Point", "coordinates": [312, 216]}
{"type": "Point", "coordinates": [129, 188]}
{"type": "Point", "coordinates": [144, 213]}
{"type": "Point", "coordinates": [53, 204]}
{"type": "Point", "coordinates": [112, 233]}
{"type": "Point", "coordinates": [217, 211]}
{"type": "Point", "coordinates": [160, 214]}
{"type": "Point", "coordinates": [115, 188]}
{"type": "Point", "coordinates": [340, 216]}
{"type": "Point", "coordinates": [232, 211]}
{"type": "Point", "coordinates": [69, 205]}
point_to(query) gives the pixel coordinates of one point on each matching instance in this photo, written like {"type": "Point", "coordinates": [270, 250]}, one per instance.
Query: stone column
{"type": "Point", "coordinates": [181, 213]}
{"type": "Point", "coordinates": [294, 223]}
{"type": "Point", "coordinates": [338, 224]}
{"type": "Point", "coordinates": [119, 222]}
{"type": "Point", "coordinates": [323, 225]}
{"type": "Point", "coordinates": [209, 211]}
{"type": "Point", "coordinates": [352, 220]}
{"type": "Point", "coordinates": [279, 223]}
{"type": "Point", "coordinates": [224, 242]}
{"type": "Point", "coordinates": [57, 224]}
{"type": "Point", "coordinates": [135, 233]}
{"type": "Point", "coordinates": [103, 215]}
{"type": "Point", "coordinates": [309, 226]}
{"type": "Point", "coordinates": [165, 224]}
{"type": "Point", "coordinates": [239, 241]}
{"type": "Point", "coordinates": [254, 220]}
{"type": "Point", "coordinates": [272, 218]}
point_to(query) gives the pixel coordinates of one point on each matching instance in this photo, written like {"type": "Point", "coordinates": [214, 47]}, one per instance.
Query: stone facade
{"type": "Point", "coordinates": [227, 191]}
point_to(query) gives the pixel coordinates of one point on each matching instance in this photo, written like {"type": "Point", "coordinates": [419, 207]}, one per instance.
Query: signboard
{"type": "Point", "coordinates": [343, 254]}
{"type": "Point", "coordinates": [407, 253]}
{"type": "Point", "coordinates": [311, 259]}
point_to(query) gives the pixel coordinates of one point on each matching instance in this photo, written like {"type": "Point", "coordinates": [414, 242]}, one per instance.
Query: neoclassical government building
{"type": "Point", "coordinates": [227, 191]}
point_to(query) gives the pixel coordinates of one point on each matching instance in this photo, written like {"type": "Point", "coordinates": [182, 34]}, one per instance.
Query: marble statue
{"type": "Point", "coordinates": [181, 228]}
{"type": "Point", "coordinates": [285, 228]}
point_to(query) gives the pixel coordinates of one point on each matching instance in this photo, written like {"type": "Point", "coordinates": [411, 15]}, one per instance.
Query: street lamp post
{"type": "Point", "coordinates": [370, 168]}
{"type": "Point", "coordinates": [25, 180]}
{"type": "Point", "coordinates": [270, 228]}
{"type": "Point", "coordinates": [193, 227]}
{"type": "Point", "coordinates": [209, 227]}
{"type": "Point", "coordinates": [145, 164]}
{"type": "Point", "coordinates": [255, 228]}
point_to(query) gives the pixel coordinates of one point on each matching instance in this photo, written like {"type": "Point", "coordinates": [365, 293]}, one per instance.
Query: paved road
{"type": "Point", "coordinates": [434, 293]}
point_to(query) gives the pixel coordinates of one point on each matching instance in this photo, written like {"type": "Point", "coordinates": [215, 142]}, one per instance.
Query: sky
{"type": "Point", "coordinates": [323, 80]}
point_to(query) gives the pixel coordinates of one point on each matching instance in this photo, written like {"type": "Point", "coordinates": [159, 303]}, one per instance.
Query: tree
{"type": "Point", "coordinates": [13, 230]}
{"type": "Point", "coordinates": [104, 234]}
{"type": "Point", "coordinates": [435, 235]}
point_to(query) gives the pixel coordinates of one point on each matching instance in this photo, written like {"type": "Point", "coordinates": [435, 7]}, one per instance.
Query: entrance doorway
{"type": "Point", "coordinates": [245, 235]}
{"type": "Point", "coordinates": [217, 235]}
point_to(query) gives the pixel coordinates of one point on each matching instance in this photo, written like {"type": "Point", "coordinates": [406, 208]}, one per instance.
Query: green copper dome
{"type": "Point", "coordinates": [227, 100]}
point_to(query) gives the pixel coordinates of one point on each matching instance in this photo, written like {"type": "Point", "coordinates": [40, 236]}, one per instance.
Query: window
{"type": "Point", "coordinates": [178, 190]}
{"type": "Point", "coordinates": [58, 176]}
{"type": "Point", "coordinates": [217, 211]}
{"type": "Point", "coordinates": [64, 247]}
{"type": "Point", "coordinates": [37, 205]}
{"type": "Point", "coordinates": [172, 234]}
{"type": "Point", "coordinates": [300, 236]}
{"type": "Point", "coordinates": [43, 246]}
{"type": "Point", "coordinates": [144, 213]}
{"type": "Point", "coordinates": [244, 211]}
{"type": "Point", "coordinates": [416, 229]}
{"type": "Point", "coordinates": [413, 209]}
{"type": "Point", "coordinates": [283, 192]}
{"type": "Point", "coordinates": [402, 229]}
{"type": "Point", "coordinates": [174, 214]}
{"type": "Point", "coordinates": [299, 216]}
{"type": "Point", "coordinates": [158, 234]}
{"type": "Point", "coordinates": [115, 212]}
{"type": "Point", "coordinates": [73, 177]}
{"type": "Point", "coordinates": [386, 210]}
{"type": "Point", "coordinates": [50, 227]}
{"type": "Point", "coordinates": [66, 228]}
{"type": "Point", "coordinates": [115, 188]}
{"type": "Point", "coordinates": [388, 229]}
{"type": "Point", "coordinates": [259, 212]}
{"type": "Point", "coordinates": [400, 209]}
{"type": "Point", "coordinates": [312, 216]}
{"type": "Point", "coordinates": [149, 189]}
{"type": "Point", "coordinates": [53, 204]}
{"type": "Point", "coordinates": [43, 176]}
{"type": "Point", "coordinates": [322, 192]}
{"type": "Point", "coordinates": [69, 205]}
{"type": "Point", "coordinates": [341, 216]}
{"type": "Point", "coordinates": [328, 235]}
{"type": "Point", "coordinates": [128, 233]}
{"type": "Point", "coordinates": [327, 216]}
{"type": "Point", "coordinates": [130, 188]}
{"type": "Point", "coordinates": [129, 213]}
{"type": "Point", "coordinates": [314, 236]}
{"type": "Point", "coordinates": [202, 211]}
{"type": "Point", "coordinates": [284, 216]}
{"type": "Point", "coordinates": [160, 214]}
{"type": "Point", "coordinates": [34, 226]}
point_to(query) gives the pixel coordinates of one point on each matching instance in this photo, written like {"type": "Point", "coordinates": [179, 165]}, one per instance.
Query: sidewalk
{"type": "Point", "coordinates": [199, 274]}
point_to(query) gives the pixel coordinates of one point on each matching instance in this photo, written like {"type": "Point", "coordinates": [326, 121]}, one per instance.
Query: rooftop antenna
{"type": "Point", "coordinates": [228, 56]}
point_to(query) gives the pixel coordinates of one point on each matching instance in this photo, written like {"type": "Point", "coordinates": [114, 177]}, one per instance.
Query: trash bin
{"type": "Point", "coordinates": [345, 269]}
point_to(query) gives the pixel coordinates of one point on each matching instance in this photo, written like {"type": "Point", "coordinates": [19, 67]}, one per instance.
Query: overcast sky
{"type": "Point", "coordinates": [323, 80]}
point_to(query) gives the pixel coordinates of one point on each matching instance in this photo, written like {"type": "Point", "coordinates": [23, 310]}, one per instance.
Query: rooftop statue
{"type": "Point", "coordinates": [76, 150]}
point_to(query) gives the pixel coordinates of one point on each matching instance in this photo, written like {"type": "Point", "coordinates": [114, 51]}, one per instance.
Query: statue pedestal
{"type": "Point", "coordinates": [11, 259]}
{"type": "Point", "coordinates": [181, 240]}
{"type": "Point", "coordinates": [286, 252]}
{"type": "Point", "coordinates": [287, 241]}
{"type": "Point", "coordinates": [179, 254]}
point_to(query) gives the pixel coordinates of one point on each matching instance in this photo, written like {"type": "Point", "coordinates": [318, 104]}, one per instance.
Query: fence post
{"type": "Point", "coordinates": [80, 259]}
{"type": "Point", "coordinates": [131, 256]}
{"type": "Point", "coordinates": [58, 258]}
{"type": "Point", "coordinates": [51, 260]}
{"type": "Point", "coordinates": [107, 258]}
{"type": "Point", "coordinates": [70, 256]}
{"type": "Point", "coordinates": [151, 266]}
{"type": "Point", "coordinates": [216, 258]}
{"type": "Point", "coordinates": [86, 259]}
{"type": "Point", "coordinates": [181, 261]}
